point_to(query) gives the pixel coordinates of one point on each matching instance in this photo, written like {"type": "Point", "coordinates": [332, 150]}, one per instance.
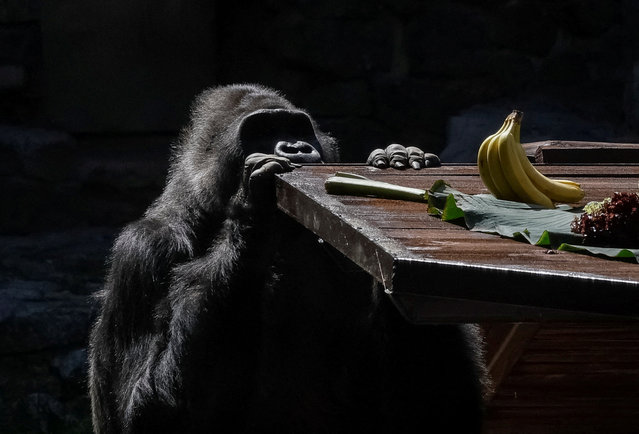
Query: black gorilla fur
{"type": "Point", "coordinates": [219, 314]}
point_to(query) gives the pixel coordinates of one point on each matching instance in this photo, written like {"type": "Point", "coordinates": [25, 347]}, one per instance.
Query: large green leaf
{"type": "Point", "coordinates": [535, 224]}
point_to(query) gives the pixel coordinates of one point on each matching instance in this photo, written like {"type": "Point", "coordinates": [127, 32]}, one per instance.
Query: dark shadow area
{"type": "Point", "coordinates": [93, 94]}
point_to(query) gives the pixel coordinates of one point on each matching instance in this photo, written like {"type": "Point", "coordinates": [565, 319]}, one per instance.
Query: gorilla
{"type": "Point", "coordinates": [221, 314]}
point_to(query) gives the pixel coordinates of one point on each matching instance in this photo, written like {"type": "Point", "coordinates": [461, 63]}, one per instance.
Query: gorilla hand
{"type": "Point", "coordinates": [259, 171]}
{"type": "Point", "coordinates": [399, 157]}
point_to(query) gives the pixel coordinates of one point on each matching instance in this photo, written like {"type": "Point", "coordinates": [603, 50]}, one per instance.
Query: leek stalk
{"type": "Point", "coordinates": [356, 185]}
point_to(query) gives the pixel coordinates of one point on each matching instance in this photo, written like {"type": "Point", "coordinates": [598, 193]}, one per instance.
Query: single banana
{"type": "Point", "coordinates": [515, 174]}
{"type": "Point", "coordinates": [503, 189]}
{"type": "Point", "coordinates": [568, 182]}
{"type": "Point", "coordinates": [482, 160]}
{"type": "Point", "coordinates": [557, 190]}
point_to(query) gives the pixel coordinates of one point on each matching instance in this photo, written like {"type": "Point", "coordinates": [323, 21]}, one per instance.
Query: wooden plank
{"type": "Point", "coordinates": [508, 342]}
{"type": "Point", "coordinates": [453, 244]}
{"type": "Point", "coordinates": [602, 170]}
{"type": "Point", "coordinates": [516, 285]}
{"type": "Point", "coordinates": [581, 152]}
{"type": "Point", "coordinates": [571, 377]}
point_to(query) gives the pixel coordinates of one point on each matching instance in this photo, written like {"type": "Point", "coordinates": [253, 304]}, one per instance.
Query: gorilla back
{"type": "Point", "coordinates": [221, 314]}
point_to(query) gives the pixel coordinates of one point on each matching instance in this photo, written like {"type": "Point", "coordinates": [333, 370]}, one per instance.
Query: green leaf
{"type": "Point", "coordinates": [537, 225]}
{"type": "Point", "coordinates": [613, 252]}
{"type": "Point", "coordinates": [451, 210]}
{"type": "Point", "coordinates": [485, 213]}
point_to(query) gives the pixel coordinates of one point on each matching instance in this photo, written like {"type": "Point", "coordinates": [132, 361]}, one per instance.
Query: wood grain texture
{"type": "Point", "coordinates": [418, 254]}
{"type": "Point", "coordinates": [581, 152]}
{"type": "Point", "coordinates": [569, 378]}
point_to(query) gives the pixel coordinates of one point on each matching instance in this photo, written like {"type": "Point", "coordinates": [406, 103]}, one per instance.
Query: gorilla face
{"type": "Point", "coordinates": [286, 133]}
{"type": "Point", "coordinates": [230, 123]}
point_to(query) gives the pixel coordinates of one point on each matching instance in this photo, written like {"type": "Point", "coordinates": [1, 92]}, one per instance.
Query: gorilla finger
{"type": "Point", "coordinates": [289, 165]}
{"type": "Point", "coordinates": [378, 158]}
{"type": "Point", "coordinates": [397, 155]}
{"type": "Point", "coordinates": [267, 170]}
{"type": "Point", "coordinates": [257, 160]}
{"type": "Point", "coordinates": [415, 157]}
{"type": "Point", "coordinates": [431, 160]}
{"type": "Point", "coordinates": [284, 162]}
{"type": "Point", "coordinates": [258, 164]}
{"type": "Point", "coordinates": [253, 161]}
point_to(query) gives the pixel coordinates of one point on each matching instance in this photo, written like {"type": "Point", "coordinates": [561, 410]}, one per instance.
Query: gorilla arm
{"type": "Point", "coordinates": [139, 265]}
{"type": "Point", "coordinates": [167, 312]}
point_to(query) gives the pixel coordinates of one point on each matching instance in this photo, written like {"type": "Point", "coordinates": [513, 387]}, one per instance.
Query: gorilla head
{"type": "Point", "coordinates": [231, 122]}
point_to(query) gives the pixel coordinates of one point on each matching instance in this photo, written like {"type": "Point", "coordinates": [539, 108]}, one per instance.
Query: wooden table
{"type": "Point", "coordinates": [441, 272]}
{"type": "Point", "coordinates": [570, 377]}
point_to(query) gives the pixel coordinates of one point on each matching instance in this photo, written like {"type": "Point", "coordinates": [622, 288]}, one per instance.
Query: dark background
{"type": "Point", "coordinates": [93, 92]}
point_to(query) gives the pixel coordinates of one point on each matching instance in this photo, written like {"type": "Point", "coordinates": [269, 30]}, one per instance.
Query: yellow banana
{"type": "Point", "coordinates": [482, 160]}
{"type": "Point", "coordinates": [568, 182]}
{"type": "Point", "coordinates": [505, 170]}
{"type": "Point", "coordinates": [502, 189]}
{"type": "Point", "coordinates": [497, 172]}
{"type": "Point", "coordinates": [557, 190]}
{"type": "Point", "coordinates": [515, 174]}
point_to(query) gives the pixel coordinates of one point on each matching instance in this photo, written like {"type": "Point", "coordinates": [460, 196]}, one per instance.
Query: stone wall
{"type": "Point", "coordinates": [441, 75]}
{"type": "Point", "coordinates": [437, 74]}
{"type": "Point", "coordinates": [20, 60]}
{"type": "Point", "coordinates": [63, 204]}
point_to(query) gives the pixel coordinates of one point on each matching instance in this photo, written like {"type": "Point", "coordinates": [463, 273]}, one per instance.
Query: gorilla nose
{"type": "Point", "coordinates": [298, 152]}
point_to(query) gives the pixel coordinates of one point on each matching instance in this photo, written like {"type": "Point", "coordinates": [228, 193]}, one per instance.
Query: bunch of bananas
{"type": "Point", "coordinates": [506, 172]}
